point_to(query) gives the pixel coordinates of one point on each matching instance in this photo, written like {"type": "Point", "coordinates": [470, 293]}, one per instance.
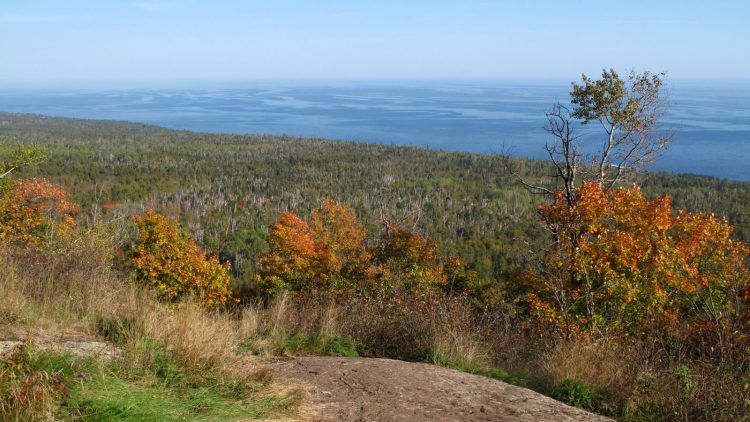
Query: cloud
{"type": "Point", "coordinates": [150, 6]}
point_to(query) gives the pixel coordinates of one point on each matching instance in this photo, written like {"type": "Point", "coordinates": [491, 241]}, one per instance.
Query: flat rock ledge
{"type": "Point", "coordinates": [363, 389]}
{"type": "Point", "coordinates": [76, 346]}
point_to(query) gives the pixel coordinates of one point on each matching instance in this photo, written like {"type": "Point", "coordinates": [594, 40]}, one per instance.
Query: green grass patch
{"type": "Point", "coordinates": [342, 347]}
{"type": "Point", "coordinates": [84, 389]}
{"type": "Point", "coordinates": [579, 394]}
{"type": "Point", "coordinates": [319, 345]}
{"type": "Point", "coordinates": [476, 368]}
{"type": "Point", "coordinates": [107, 397]}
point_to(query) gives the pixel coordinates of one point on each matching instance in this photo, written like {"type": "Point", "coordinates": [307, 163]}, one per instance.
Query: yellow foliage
{"type": "Point", "coordinates": [166, 259]}
{"type": "Point", "coordinates": [620, 259]}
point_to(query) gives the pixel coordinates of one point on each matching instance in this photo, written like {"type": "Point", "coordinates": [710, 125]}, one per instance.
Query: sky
{"type": "Point", "coordinates": [77, 43]}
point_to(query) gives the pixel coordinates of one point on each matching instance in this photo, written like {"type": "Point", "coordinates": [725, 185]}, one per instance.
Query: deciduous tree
{"type": "Point", "coordinates": [327, 255]}
{"type": "Point", "coordinates": [628, 113]}
{"type": "Point", "coordinates": [635, 262]}
{"type": "Point", "coordinates": [406, 255]}
{"type": "Point", "coordinates": [20, 157]}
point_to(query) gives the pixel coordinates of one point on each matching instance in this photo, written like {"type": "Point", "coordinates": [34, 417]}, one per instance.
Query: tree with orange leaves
{"type": "Point", "coordinates": [620, 260]}
{"type": "Point", "coordinates": [34, 209]}
{"type": "Point", "coordinates": [342, 237]}
{"type": "Point", "coordinates": [167, 260]}
{"type": "Point", "coordinates": [327, 255]}
{"type": "Point", "coordinates": [404, 255]}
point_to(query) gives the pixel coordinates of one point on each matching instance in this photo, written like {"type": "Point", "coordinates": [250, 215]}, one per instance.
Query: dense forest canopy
{"type": "Point", "coordinates": [228, 189]}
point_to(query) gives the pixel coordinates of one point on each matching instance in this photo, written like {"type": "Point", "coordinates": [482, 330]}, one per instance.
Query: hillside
{"type": "Point", "coordinates": [202, 257]}
{"type": "Point", "coordinates": [229, 188]}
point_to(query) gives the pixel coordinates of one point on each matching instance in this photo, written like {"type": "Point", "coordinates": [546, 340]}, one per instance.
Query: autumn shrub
{"type": "Point", "coordinates": [329, 255]}
{"type": "Point", "coordinates": [33, 210]}
{"type": "Point", "coordinates": [408, 258]}
{"type": "Point", "coordinates": [164, 258]}
{"type": "Point", "coordinates": [638, 311]}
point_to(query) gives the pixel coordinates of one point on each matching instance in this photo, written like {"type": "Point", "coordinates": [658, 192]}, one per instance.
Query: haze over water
{"type": "Point", "coordinates": [711, 121]}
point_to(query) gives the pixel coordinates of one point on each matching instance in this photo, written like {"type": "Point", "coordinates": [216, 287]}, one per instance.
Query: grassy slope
{"type": "Point", "coordinates": [177, 362]}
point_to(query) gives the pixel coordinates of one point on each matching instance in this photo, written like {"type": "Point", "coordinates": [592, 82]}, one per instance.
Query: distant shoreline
{"type": "Point", "coordinates": [5, 115]}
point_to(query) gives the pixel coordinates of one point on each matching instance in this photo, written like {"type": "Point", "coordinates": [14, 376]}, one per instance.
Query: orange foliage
{"type": "Point", "coordinates": [166, 259]}
{"type": "Point", "coordinates": [342, 235]}
{"type": "Point", "coordinates": [619, 259]}
{"type": "Point", "coordinates": [327, 255]}
{"type": "Point", "coordinates": [30, 208]}
{"type": "Point", "coordinates": [411, 256]}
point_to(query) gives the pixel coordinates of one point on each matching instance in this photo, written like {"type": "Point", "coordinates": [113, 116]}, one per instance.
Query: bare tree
{"type": "Point", "coordinates": [628, 111]}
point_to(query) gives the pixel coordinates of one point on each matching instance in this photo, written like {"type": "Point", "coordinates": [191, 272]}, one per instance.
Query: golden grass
{"type": "Point", "coordinates": [602, 362]}
{"type": "Point", "coordinates": [73, 291]}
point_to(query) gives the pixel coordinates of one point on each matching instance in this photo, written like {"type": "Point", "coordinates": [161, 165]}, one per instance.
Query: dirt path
{"type": "Point", "coordinates": [358, 389]}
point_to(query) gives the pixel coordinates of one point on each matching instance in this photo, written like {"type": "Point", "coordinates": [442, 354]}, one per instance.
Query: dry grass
{"type": "Point", "coordinates": [602, 362]}
{"type": "Point", "coordinates": [75, 289]}
{"type": "Point", "coordinates": [457, 337]}
{"type": "Point", "coordinates": [13, 304]}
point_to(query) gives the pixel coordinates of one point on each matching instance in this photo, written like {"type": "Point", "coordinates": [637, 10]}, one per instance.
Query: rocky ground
{"type": "Point", "coordinates": [367, 389]}
{"type": "Point", "coordinates": [360, 389]}
{"type": "Point", "coordinates": [76, 344]}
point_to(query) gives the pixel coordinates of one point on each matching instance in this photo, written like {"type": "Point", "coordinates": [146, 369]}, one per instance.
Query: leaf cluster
{"type": "Point", "coordinates": [165, 258]}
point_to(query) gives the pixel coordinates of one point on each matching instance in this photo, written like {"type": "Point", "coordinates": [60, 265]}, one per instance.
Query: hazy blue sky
{"type": "Point", "coordinates": [78, 43]}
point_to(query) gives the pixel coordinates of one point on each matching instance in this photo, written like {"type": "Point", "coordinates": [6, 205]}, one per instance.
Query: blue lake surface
{"type": "Point", "coordinates": [710, 121]}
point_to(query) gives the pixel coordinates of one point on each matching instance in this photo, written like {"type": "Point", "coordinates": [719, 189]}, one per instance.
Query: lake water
{"type": "Point", "coordinates": [711, 121]}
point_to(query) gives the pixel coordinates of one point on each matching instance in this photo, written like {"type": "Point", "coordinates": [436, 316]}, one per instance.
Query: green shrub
{"type": "Point", "coordinates": [578, 394]}
{"type": "Point", "coordinates": [342, 347]}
